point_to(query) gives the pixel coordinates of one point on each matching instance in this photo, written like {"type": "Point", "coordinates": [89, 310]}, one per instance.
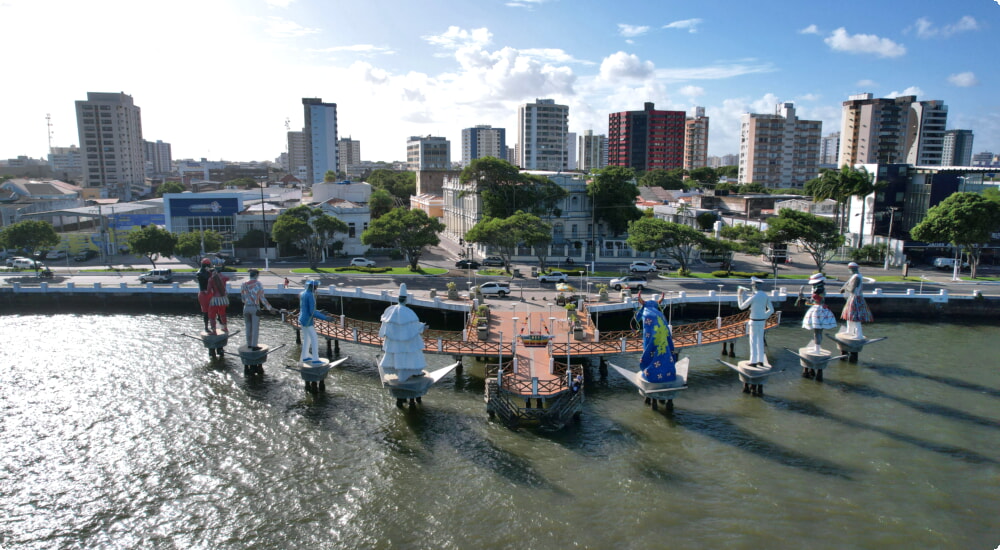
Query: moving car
{"type": "Point", "coordinates": [228, 259]}
{"type": "Point", "coordinates": [553, 277]}
{"type": "Point", "coordinates": [493, 261]}
{"type": "Point", "coordinates": [85, 255]}
{"type": "Point", "coordinates": [948, 263]}
{"type": "Point", "coordinates": [467, 264]}
{"type": "Point", "coordinates": [25, 263]}
{"type": "Point", "coordinates": [642, 267]}
{"type": "Point", "coordinates": [632, 282]}
{"type": "Point", "coordinates": [157, 276]}
{"type": "Point", "coordinates": [495, 288]}
{"type": "Point", "coordinates": [362, 262]}
{"type": "Point", "coordinates": [55, 255]}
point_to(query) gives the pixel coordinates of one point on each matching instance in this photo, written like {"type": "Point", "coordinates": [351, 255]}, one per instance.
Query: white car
{"type": "Point", "coordinates": [642, 267]}
{"type": "Point", "coordinates": [495, 289]}
{"type": "Point", "coordinates": [553, 277]}
{"type": "Point", "coordinates": [632, 282]}
{"type": "Point", "coordinates": [362, 262]}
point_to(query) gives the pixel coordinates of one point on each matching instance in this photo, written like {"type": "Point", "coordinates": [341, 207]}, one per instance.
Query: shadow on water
{"type": "Point", "coordinates": [928, 408]}
{"type": "Point", "coordinates": [724, 430]}
{"type": "Point", "coordinates": [903, 372]}
{"type": "Point", "coordinates": [809, 409]}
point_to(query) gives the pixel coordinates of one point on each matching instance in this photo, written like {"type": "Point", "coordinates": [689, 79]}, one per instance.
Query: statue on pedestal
{"type": "Point", "coordinates": [818, 317]}
{"type": "Point", "coordinates": [403, 341]}
{"type": "Point", "coordinates": [760, 310]}
{"type": "Point", "coordinates": [856, 310]}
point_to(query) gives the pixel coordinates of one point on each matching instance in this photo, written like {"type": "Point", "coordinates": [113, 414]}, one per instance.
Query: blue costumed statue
{"type": "Point", "coordinates": [657, 363]}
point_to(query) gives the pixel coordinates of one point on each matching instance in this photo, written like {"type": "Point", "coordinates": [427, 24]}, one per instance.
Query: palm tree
{"type": "Point", "coordinates": [840, 186]}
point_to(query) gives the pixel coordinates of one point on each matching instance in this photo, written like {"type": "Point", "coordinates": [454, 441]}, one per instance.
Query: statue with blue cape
{"type": "Point", "coordinates": [657, 362]}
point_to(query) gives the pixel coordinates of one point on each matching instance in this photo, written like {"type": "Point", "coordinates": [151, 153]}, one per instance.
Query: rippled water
{"type": "Point", "coordinates": [117, 432]}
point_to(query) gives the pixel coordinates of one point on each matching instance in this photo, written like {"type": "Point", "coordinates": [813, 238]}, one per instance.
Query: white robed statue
{"type": "Point", "coordinates": [403, 342]}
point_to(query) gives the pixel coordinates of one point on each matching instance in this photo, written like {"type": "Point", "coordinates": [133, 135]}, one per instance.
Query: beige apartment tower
{"type": "Point", "coordinates": [892, 131]}
{"type": "Point", "coordinates": [696, 140]}
{"type": "Point", "coordinates": [779, 150]}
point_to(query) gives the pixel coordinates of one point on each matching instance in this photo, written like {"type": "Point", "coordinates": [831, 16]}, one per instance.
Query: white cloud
{"type": "Point", "coordinates": [966, 23]}
{"type": "Point", "coordinates": [715, 72]}
{"type": "Point", "coordinates": [363, 49]}
{"type": "Point", "coordinates": [527, 4]}
{"type": "Point", "coordinates": [456, 37]}
{"type": "Point", "coordinates": [839, 40]}
{"type": "Point", "coordinates": [278, 3]}
{"type": "Point", "coordinates": [964, 80]}
{"type": "Point", "coordinates": [866, 83]}
{"type": "Point", "coordinates": [554, 55]}
{"type": "Point", "coordinates": [625, 65]}
{"type": "Point", "coordinates": [692, 91]}
{"type": "Point", "coordinates": [912, 90]}
{"type": "Point", "coordinates": [811, 29]}
{"type": "Point", "coordinates": [808, 97]}
{"type": "Point", "coordinates": [278, 27]}
{"type": "Point", "coordinates": [631, 31]}
{"type": "Point", "coordinates": [690, 24]}
{"type": "Point", "coordinates": [925, 29]}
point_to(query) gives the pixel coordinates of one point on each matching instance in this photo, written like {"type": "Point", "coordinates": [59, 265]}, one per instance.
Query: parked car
{"type": "Point", "coordinates": [55, 255]}
{"type": "Point", "coordinates": [362, 262]}
{"type": "Point", "coordinates": [9, 262]}
{"type": "Point", "coordinates": [85, 255]}
{"type": "Point", "coordinates": [228, 259]}
{"type": "Point", "coordinates": [493, 261]}
{"type": "Point", "coordinates": [157, 276]}
{"type": "Point", "coordinates": [553, 277]}
{"type": "Point", "coordinates": [948, 263]}
{"type": "Point", "coordinates": [26, 263]}
{"type": "Point", "coordinates": [495, 288]}
{"type": "Point", "coordinates": [632, 282]}
{"type": "Point", "coordinates": [467, 264]}
{"type": "Point", "coordinates": [642, 267]}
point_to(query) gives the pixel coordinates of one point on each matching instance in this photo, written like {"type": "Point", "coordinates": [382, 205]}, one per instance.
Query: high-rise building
{"type": "Point", "coordinates": [110, 128]}
{"type": "Point", "coordinates": [159, 161]}
{"type": "Point", "coordinates": [829, 148]}
{"type": "Point", "coordinates": [571, 150]}
{"type": "Point", "coordinates": [541, 135]}
{"type": "Point", "coordinates": [320, 138]}
{"type": "Point", "coordinates": [298, 158]}
{"type": "Point", "coordinates": [892, 131]}
{"type": "Point", "coordinates": [696, 140]}
{"type": "Point", "coordinates": [778, 150]}
{"type": "Point", "coordinates": [593, 151]}
{"type": "Point", "coordinates": [66, 163]}
{"type": "Point", "coordinates": [428, 153]}
{"type": "Point", "coordinates": [349, 151]}
{"type": "Point", "coordinates": [481, 141]}
{"type": "Point", "coordinates": [957, 148]}
{"type": "Point", "coordinates": [985, 158]}
{"type": "Point", "coordinates": [647, 139]}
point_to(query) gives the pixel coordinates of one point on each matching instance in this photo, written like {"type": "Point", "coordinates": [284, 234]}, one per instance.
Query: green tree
{"type": "Point", "coordinates": [30, 236]}
{"type": "Point", "coordinates": [401, 185]}
{"type": "Point", "coordinates": [731, 171]}
{"type": "Point", "coordinates": [408, 230]}
{"type": "Point", "coordinates": [330, 176]}
{"type": "Point", "coordinates": [837, 185]}
{"type": "Point", "coordinates": [706, 220]}
{"type": "Point", "coordinates": [190, 244]}
{"type": "Point", "coordinates": [818, 236]}
{"type": "Point", "coordinates": [666, 179]}
{"type": "Point", "coordinates": [379, 203]}
{"type": "Point", "coordinates": [753, 187]}
{"type": "Point", "coordinates": [243, 183]}
{"type": "Point", "coordinates": [505, 234]}
{"type": "Point", "coordinates": [254, 238]}
{"type": "Point", "coordinates": [170, 187]}
{"type": "Point", "coordinates": [310, 229]}
{"type": "Point", "coordinates": [533, 232]}
{"type": "Point", "coordinates": [705, 175]}
{"type": "Point", "coordinates": [673, 240]}
{"type": "Point", "coordinates": [613, 190]}
{"type": "Point", "coordinates": [966, 220]}
{"type": "Point", "coordinates": [153, 242]}
{"type": "Point", "coordinates": [504, 189]}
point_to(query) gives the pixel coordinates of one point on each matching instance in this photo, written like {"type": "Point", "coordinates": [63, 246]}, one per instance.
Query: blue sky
{"type": "Point", "coordinates": [219, 78]}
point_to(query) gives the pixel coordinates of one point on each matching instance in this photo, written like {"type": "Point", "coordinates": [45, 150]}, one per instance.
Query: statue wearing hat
{"type": "Point", "coordinates": [307, 314]}
{"type": "Point", "coordinates": [818, 317]}
{"type": "Point", "coordinates": [855, 309]}
{"type": "Point", "coordinates": [402, 340]}
{"type": "Point", "coordinates": [252, 293]}
{"type": "Point", "coordinates": [760, 310]}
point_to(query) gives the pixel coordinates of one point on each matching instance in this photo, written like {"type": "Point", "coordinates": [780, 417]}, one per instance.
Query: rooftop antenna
{"type": "Point", "coordinates": [48, 123]}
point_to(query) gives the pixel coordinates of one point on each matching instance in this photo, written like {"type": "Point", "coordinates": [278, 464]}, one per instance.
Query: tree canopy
{"type": "Point", "coordinates": [310, 229]}
{"type": "Point", "coordinates": [243, 183]}
{"type": "Point", "coordinates": [189, 244]}
{"type": "Point", "coordinates": [704, 175]}
{"type": "Point", "coordinates": [818, 236]}
{"type": "Point", "coordinates": [401, 185]}
{"type": "Point", "coordinates": [505, 190]}
{"type": "Point", "coordinates": [408, 230]}
{"type": "Point", "coordinates": [674, 240]}
{"type": "Point", "coordinates": [613, 191]}
{"type": "Point", "coordinates": [169, 187]}
{"type": "Point", "coordinates": [966, 220]}
{"type": "Point", "coordinates": [840, 186]}
{"type": "Point", "coordinates": [153, 242]}
{"type": "Point", "coordinates": [666, 179]}
{"type": "Point", "coordinates": [380, 202]}
{"type": "Point", "coordinates": [29, 235]}
{"type": "Point", "coordinates": [505, 234]}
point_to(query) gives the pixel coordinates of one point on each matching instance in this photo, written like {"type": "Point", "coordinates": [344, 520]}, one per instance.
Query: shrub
{"type": "Point", "coordinates": [741, 274]}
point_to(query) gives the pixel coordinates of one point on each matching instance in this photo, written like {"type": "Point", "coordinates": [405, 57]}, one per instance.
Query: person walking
{"type": "Point", "coordinates": [307, 314]}
{"type": "Point", "coordinates": [252, 293]}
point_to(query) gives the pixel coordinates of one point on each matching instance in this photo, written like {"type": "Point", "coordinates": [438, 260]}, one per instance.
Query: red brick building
{"type": "Point", "coordinates": [646, 140]}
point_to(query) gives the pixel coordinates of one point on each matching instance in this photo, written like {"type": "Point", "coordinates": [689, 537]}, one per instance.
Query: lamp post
{"type": "Point", "coordinates": [892, 215]}
{"type": "Point", "coordinates": [263, 219]}
{"type": "Point", "coordinates": [718, 311]}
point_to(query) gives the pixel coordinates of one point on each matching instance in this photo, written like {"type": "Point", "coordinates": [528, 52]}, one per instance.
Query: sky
{"type": "Point", "coordinates": [222, 79]}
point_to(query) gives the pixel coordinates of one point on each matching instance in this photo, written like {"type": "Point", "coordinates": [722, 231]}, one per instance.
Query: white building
{"type": "Point", "coordinates": [779, 150]}
{"type": "Point", "coordinates": [592, 151]}
{"type": "Point", "coordinates": [159, 161]}
{"type": "Point", "coordinates": [320, 138]}
{"type": "Point", "coordinates": [428, 153]}
{"type": "Point", "coordinates": [541, 136]}
{"type": "Point", "coordinates": [483, 140]}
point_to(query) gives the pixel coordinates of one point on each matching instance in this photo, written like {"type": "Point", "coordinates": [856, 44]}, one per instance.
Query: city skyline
{"type": "Point", "coordinates": [227, 75]}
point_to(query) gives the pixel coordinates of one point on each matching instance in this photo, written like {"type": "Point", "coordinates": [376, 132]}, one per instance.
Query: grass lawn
{"type": "Point", "coordinates": [391, 271]}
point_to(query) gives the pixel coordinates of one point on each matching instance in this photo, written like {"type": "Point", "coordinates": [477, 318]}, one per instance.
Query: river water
{"type": "Point", "coordinates": [117, 432]}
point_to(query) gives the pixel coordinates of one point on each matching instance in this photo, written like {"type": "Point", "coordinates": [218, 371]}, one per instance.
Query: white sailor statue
{"type": "Point", "coordinates": [760, 310]}
{"type": "Point", "coordinates": [403, 341]}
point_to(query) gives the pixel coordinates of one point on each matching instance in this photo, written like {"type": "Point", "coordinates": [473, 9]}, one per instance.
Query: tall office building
{"type": "Point", "coordinates": [428, 153]}
{"type": "Point", "coordinates": [320, 138]}
{"type": "Point", "coordinates": [829, 148]}
{"type": "Point", "coordinates": [110, 128]}
{"type": "Point", "coordinates": [541, 135]}
{"type": "Point", "coordinates": [593, 151]}
{"type": "Point", "coordinates": [571, 150]}
{"type": "Point", "coordinates": [957, 148]}
{"type": "Point", "coordinates": [646, 139]}
{"type": "Point", "coordinates": [159, 161]}
{"type": "Point", "coordinates": [696, 140]}
{"type": "Point", "coordinates": [349, 151]}
{"type": "Point", "coordinates": [66, 163]}
{"type": "Point", "coordinates": [778, 150]}
{"type": "Point", "coordinates": [897, 130]}
{"type": "Point", "coordinates": [483, 140]}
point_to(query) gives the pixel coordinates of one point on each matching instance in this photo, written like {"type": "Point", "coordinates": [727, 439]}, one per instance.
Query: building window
{"type": "Point", "coordinates": [351, 230]}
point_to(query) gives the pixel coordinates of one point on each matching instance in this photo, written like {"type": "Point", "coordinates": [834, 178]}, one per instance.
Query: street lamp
{"type": "Point", "coordinates": [892, 215]}
{"type": "Point", "coordinates": [718, 312]}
